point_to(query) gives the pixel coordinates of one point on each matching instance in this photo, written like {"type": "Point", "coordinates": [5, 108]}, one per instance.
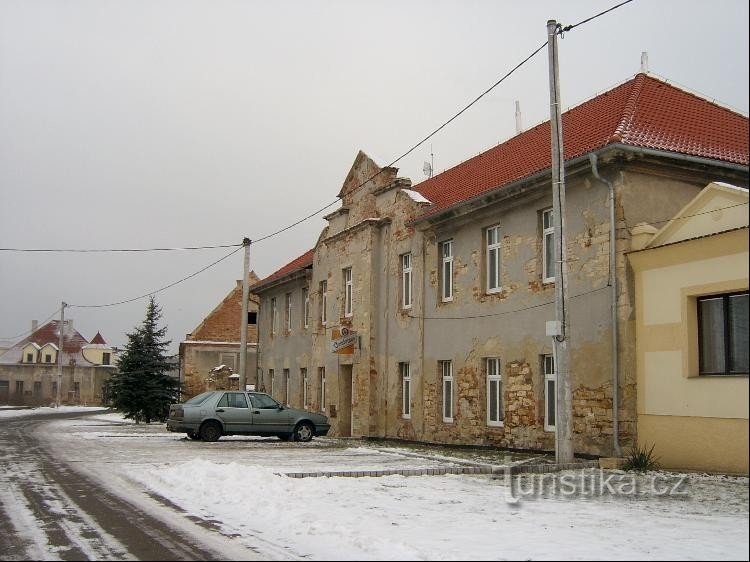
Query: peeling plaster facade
{"type": "Point", "coordinates": [379, 222]}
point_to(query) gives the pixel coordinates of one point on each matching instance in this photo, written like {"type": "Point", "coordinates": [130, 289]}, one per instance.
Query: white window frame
{"type": "Point", "coordinates": [548, 367]}
{"type": "Point", "coordinates": [405, 373]}
{"type": "Point", "coordinates": [494, 375]}
{"type": "Point", "coordinates": [288, 298]}
{"type": "Point", "coordinates": [286, 387]}
{"type": "Point", "coordinates": [446, 278]}
{"type": "Point", "coordinates": [274, 317]}
{"type": "Point", "coordinates": [305, 306]}
{"type": "Point", "coordinates": [406, 296]}
{"type": "Point", "coordinates": [323, 302]}
{"type": "Point", "coordinates": [322, 375]}
{"type": "Point", "coordinates": [303, 378]}
{"type": "Point", "coordinates": [348, 296]}
{"type": "Point", "coordinates": [492, 256]}
{"type": "Point", "coordinates": [446, 368]}
{"type": "Point", "coordinates": [272, 376]}
{"type": "Point", "coordinates": [548, 239]}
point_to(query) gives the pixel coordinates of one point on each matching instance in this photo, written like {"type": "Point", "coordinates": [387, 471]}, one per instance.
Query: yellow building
{"type": "Point", "coordinates": [691, 280]}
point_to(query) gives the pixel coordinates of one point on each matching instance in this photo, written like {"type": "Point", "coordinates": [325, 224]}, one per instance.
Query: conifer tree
{"type": "Point", "coordinates": [140, 388]}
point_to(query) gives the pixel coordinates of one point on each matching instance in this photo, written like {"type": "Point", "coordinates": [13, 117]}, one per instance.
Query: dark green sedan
{"type": "Point", "coordinates": [212, 414]}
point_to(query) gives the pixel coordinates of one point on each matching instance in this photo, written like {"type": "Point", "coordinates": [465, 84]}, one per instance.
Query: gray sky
{"type": "Point", "coordinates": [173, 123]}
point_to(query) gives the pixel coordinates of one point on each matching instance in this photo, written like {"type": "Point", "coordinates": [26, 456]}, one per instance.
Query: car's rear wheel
{"type": "Point", "coordinates": [210, 431]}
{"type": "Point", "coordinates": [303, 432]}
{"type": "Point", "coordinates": [193, 435]}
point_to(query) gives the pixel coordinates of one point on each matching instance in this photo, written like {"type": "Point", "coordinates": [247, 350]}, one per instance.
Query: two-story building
{"type": "Point", "coordinates": [420, 312]}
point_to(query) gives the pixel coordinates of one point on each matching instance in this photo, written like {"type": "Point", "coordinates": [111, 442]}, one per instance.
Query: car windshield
{"type": "Point", "coordinates": [263, 401]}
{"type": "Point", "coordinates": [200, 399]}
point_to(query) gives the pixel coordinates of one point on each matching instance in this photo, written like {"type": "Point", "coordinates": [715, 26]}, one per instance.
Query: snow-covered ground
{"type": "Point", "coordinates": [238, 484]}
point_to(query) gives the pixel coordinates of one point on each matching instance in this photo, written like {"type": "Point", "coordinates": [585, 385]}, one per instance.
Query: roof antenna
{"type": "Point", "coordinates": [428, 166]}
{"type": "Point", "coordinates": [644, 62]}
{"type": "Point", "coordinates": [519, 126]}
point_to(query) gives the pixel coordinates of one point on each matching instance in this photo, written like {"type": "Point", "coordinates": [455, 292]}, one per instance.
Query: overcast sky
{"type": "Point", "coordinates": [174, 123]}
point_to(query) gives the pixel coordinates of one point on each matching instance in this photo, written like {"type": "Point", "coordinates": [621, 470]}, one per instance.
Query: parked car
{"type": "Point", "coordinates": [212, 414]}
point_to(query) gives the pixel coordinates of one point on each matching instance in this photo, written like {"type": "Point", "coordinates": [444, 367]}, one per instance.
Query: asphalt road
{"type": "Point", "coordinates": [49, 510]}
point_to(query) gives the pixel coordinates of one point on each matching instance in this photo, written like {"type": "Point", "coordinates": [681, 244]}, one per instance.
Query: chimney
{"type": "Point", "coordinates": [70, 327]}
{"type": "Point", "coordinates": [644, 62]}
{"type": "Point", "coordinates": [519, 127]}
{"type": "Point", "coordinates": [34, 326]}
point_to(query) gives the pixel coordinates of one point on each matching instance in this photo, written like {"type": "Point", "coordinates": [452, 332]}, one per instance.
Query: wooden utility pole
{"type": "Point", "coordinates": [564, 400]}
{"type": "Point", "coordinates": [60, 343]}
{"type": "Point", "coordinates": [243, 322]}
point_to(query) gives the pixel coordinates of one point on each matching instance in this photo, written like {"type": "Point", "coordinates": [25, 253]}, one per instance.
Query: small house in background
{"type": "Point", "coordinates": [215, 342]}
{"type": "Point", "coordinates": [691, 295]}
{"type": "Point", "coordinates": [29, 368]}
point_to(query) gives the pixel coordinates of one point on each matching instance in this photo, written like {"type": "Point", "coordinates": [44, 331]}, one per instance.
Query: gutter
{"type": "Point", "coordinates": [613, 303]}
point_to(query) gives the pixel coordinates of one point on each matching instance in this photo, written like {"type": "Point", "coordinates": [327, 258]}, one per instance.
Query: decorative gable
{"type": "Point", "coordinates": [717, 208]}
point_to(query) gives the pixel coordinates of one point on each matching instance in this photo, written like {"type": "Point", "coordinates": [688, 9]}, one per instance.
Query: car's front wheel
{"type": "Point", "coordinates": [210, 431]}
{"type": "Point", "coordinates": [303, 432]}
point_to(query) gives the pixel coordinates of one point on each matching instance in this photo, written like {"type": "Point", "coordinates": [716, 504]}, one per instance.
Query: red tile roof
{"type": "Point", "coordinates": [72, 342]}
{"type": "Point", "coordinates": [643, 112]}
{"type": "Point", "coordinates": [98, 339]}
{"type": "Point", "coordinates": [303, 261]}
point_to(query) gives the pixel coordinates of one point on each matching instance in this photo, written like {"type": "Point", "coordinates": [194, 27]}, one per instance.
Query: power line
{"type": "Point", "coordinates": [29, 332]}
{"type": "Point", "coordinates": [569, 27]}
{"type": "Point", "coordinates": [505, 311]}
{"type": "Point", "coordinates": [412, 149]}
{"type": "Point", "coordinates": [187, 248]}
{"type": "Point", "coordinates": [159, 290]}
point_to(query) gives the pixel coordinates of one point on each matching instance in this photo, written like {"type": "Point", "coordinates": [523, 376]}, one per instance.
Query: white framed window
{"type": "Point", "coordinates": [446, 368]}
{"type": "Point", "coordinates": [406, 281]}
{"type": "Point", "coordinates": [446, 275]}
{"type": "Point", "coordinates": [288, 298]}
{"type": "Point", "coordinates": [323, 302]}
{"type": "Point", "coordinates": [305, 307]}
{"type": "Point", "coordinates": [303, 378]}
{"type": "Point", "coordinates": [495, 409]}
{"type": "Point", "coordinates": [286, 386]}
{"type": "Point", "coordinates": [548, 246]}
{"type": "Point", "coordinates": [274, 317]}
{"type": "Point", "coordinates": [405, 373]}
{"type": "Point", "coordinates": [550, 392]}
{"type": "Point", "coordinates": [493, 259]}
{"type": "Point", "coordinates": [273, 381]}
{"type": "Point", "coordinates": [348, 292]}
{"type": "Point", "coordinates": [322, 376]}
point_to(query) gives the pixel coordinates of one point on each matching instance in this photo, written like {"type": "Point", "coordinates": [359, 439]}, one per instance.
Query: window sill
{"type": "Point", "coordinates": [494, 291]}
{"type": "Point", "coordinates": [720, 376]}
{"type": "Point", "coordinates": [496, 424]}
{"type": "Point", "coordinates": [448, 420]}
{"type": "Point", "coordinates": [405, 416]}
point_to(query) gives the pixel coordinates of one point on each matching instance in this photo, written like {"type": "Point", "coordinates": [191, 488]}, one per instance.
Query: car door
{"type": "Point", "coordinates": [234, 411]}
{"type": "Point", "coordinates": [269, 417]}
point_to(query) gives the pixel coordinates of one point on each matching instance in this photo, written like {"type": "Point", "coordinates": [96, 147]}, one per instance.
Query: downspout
{"type": "Point", "coordinates": [613, 299]}
{"type": "Point", "coordinates": [387, 318]}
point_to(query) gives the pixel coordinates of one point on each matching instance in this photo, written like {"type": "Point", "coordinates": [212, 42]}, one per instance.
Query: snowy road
{"type": "Point", "coordinates": [100, 487]}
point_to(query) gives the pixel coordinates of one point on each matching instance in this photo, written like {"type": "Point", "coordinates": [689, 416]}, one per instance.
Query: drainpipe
{"type": "Point", "coordinates": [613, 286]}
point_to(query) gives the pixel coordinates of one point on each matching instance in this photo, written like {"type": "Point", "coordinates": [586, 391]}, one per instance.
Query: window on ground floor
{"type": "Point", "coordinates": [723, 334]}
{"type": "Point", "coordinates": [495, 409]}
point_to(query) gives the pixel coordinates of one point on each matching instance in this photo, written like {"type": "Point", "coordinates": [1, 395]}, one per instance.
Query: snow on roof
{"type": "Point", "coordinates": [416, 196]}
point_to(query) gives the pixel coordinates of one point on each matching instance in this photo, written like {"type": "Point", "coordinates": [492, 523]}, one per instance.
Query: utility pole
{"type": "Point", "coordinates": [243, 323]}
{"type": "Point", "coordinates": [564, 399]}
{"type": "Point", "coordinates": [60, 354]}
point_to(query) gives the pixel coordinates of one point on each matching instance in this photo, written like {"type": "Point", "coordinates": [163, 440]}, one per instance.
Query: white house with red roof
{"type": "Point", "coordinates": [29, 368]}
{"type": "Point", "coordinates": [420, 312]}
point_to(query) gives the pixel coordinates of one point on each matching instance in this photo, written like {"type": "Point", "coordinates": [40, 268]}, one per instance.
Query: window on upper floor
{"type": "Point", "coordinates": [305, 307]}
{"type": "Point", "coordinates": [406, 281]}
{"type": "Point", "coordinates": [446, 271]}
{"type": "Point", "coordinates": [106, 358]}
{"type": "Point", "coordinates": [288, 299]}
{"type": "Point", "coordinates": [723, 334]}
{"type": "Point", "coordinates": [348, 292]}
{"type": "Point", "coordinates": [274, 317]}
{"type": "Point", "coordinates": [323, 302]}
{"type": "Point", "coordinates": [492, 258]}
{"type": "Point", "coordinates": [548, 246]}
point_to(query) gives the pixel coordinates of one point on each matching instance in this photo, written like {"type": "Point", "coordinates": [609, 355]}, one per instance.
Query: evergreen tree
{"type": "Point", "coordinates": [140, 388]}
